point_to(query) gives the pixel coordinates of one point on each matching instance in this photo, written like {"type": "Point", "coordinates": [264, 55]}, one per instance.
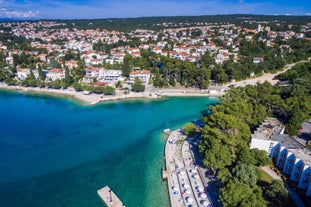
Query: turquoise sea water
{"type": "Point", "coordinates": [56, 152]}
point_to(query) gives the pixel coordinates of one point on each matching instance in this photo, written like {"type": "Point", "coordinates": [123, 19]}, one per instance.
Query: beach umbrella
{"type": "Point", "coordinates": [174, 188]}
{"type": "Point", "coordinates": [187, 192]}
{"type": "Point", "coordinates": [192, 171]}
{"type": "Point", "coordinates": [186, 185]}
{"type": "Point", "coordinates": [200, 188]}
{"type": "Point", "coordinates": [182, 172]}
{"type": "Point", "coordinates": [189, 199]}
{"type": "Point", "coordinates": [205, 203]}
{"type": "Point", "coordinates": [202, 195]}
{"type": "Point", "coordinates": [196, 177]}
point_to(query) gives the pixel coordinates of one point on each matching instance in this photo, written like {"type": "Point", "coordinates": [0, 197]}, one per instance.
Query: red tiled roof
{"type": "Point", "coordinates": [140, 72]}
{"type": "Point", "coordinates": [55, 70]}
{"type": "Point", "coordinates": [92, 69]}
{"type": "Point", "coordinates": [100, 83]}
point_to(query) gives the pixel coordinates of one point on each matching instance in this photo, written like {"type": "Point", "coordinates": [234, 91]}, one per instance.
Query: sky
{"type": "Point", "coordinates": [89, 9]}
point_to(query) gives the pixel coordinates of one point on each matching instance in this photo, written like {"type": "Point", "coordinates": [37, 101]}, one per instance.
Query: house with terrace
{"type": "Point", "coordinates": [143, 75]}
{"type": "Point", "coordinates": [55, 74]}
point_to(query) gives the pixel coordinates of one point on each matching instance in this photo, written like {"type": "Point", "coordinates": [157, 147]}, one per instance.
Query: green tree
{"type": "Point", "coordinates": [77, 86]}
{"type": "Point", "coordinates": [190, 129]}
{"type": "Point", "coordinates": [127, 65]}
{"type": "Point", "coordinates": [68, 79]}
{"type": "Point", "coordinates": [261, 157]}
{"type": "Point", "coordinates": [172, 81]}
{"type": "Point", "coordinates": [137, 85]}
{"type": "Point", "coordinates": [79, 72]}
{"type": "Point", "coordinates": [277, 193]}
{"type": "Point", "coordinates": [294, 122]}
{"type": "Point", "coordinates": [32, 75]}
{"type": "Point", "coordinates": [118, 84]}
{"type": "Point", "coordinates": [246, 174]}
{"type": "Point", "coordinates": [246, 156]}
{"type": "Point", "coordinates": [237, 194]}
{"type": "Point", "coordinates": [108, 90]}
{"type": "Point", "coordinates": [215, 154]}
{"type": "Point", "coordinates": [40, 73]}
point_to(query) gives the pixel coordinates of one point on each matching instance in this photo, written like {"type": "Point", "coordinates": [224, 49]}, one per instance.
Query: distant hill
{"type": "Point", "coordinates": [17, 19]}
{"type": "Point", "coordinates": [155, 23]}
{"type": "Point", "coordinates": [7, 20]}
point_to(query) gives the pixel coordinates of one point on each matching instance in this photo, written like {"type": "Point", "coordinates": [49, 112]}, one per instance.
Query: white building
{"type": "Point", "coordinates": [22, 73]}
{"type": "Point", "coordinates": [55, 74]}
{"type": "Point", "coordinates": [143, 75]}
{"type": "Point", "coordinates": [111, 75]}
{"type": "Point", "coordinates": [290, 156]}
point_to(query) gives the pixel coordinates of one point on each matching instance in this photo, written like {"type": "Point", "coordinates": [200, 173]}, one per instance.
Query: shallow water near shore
{"type": "Point", "coordinates": [56, 152]}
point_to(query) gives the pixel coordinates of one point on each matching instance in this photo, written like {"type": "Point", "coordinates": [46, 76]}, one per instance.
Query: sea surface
{"type": "Point", "coordinates": [58, 152]}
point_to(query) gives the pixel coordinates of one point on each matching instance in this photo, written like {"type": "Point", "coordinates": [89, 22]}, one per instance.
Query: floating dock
{"type": "Point", "coordinates": [108, 196]}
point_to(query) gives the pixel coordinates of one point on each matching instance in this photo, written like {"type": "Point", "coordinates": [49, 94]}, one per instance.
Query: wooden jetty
{"type": "Point", "coordinates": [108, 196]}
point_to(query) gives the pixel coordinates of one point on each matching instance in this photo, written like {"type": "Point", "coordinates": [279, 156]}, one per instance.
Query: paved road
{"type": "Point", "coordinates": [261, 79]}
{"type": "Point", "coordinates": [292, 193]}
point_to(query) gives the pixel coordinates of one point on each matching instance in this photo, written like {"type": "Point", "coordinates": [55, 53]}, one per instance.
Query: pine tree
{"type": "Point", "coordinates": [40, 72]}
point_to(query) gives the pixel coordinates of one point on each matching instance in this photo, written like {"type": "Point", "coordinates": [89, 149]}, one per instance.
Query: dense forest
{"type": "Point", "coordinates": [227, 131]}
{"type": "Point", "coordinates": [156, 23]}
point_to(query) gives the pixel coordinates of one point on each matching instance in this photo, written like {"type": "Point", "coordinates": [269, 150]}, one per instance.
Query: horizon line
{"type": "Point", "coordinates": [69, 19]}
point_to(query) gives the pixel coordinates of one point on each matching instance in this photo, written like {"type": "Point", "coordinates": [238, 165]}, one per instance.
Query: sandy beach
{"type": "Point", "coordinates": [90, 99]}
{"type": "Point", "coordinates": [93, 99]}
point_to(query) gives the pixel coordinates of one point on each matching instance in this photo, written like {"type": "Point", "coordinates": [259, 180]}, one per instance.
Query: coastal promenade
{"type": "Point", "coordinates": [93, 98]}
{"type": "Point", "coordinates": [185, 184]}
{"type": "Point", "coordinates": [90, 99]}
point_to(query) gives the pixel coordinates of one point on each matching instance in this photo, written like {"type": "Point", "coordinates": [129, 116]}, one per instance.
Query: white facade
{"type": "Point", "coordinates": [143, 75]}
{"type": "Point", "coordinates": [288, 155]}
{"type": "Point", "coordinates": [22, 73]}
{"type": "Point", "coordinates": [110, 75]}
{"type": "Point", "coordinates": [55, 74]}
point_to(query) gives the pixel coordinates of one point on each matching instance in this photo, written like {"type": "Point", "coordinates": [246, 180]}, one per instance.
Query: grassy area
{"type": "Point", "coordinates": [264, 177]}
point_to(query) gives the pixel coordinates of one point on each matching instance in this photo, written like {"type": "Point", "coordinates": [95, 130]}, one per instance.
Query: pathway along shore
{"type": "Point", "coordinates": [93, 99]}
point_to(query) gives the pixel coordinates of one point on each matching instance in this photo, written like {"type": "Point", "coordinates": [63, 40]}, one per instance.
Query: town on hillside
{"type": "Point", "coordinates": [244, 148]}
{"type": "Point", "coordinates": [57, 55]}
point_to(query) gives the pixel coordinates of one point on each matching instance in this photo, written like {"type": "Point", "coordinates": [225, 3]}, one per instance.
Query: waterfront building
{"type": "Point", "coordinates": [22, 73]}
{"type": "Point", "coordinates": [289, 155]}
{"type": "Point", "coordinates": [55, 74]}
{"type": "Point", "coordinates": [111, 75]}
{"type": "Point", "coordinates": [143, 75]}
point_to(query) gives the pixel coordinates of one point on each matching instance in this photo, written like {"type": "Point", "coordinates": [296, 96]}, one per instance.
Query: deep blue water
{"type": "Point", "coordinates": [56, 152]}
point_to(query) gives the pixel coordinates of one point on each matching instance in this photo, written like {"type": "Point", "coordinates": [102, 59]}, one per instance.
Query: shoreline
{"type": "Point", "coordinates": [93, 99]}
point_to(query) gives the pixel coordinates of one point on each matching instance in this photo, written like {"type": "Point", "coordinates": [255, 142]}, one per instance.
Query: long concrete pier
{"type": "Point", "coordinates": [109, 197]}
{"type": "Point", "coordinates": [185, 185]}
